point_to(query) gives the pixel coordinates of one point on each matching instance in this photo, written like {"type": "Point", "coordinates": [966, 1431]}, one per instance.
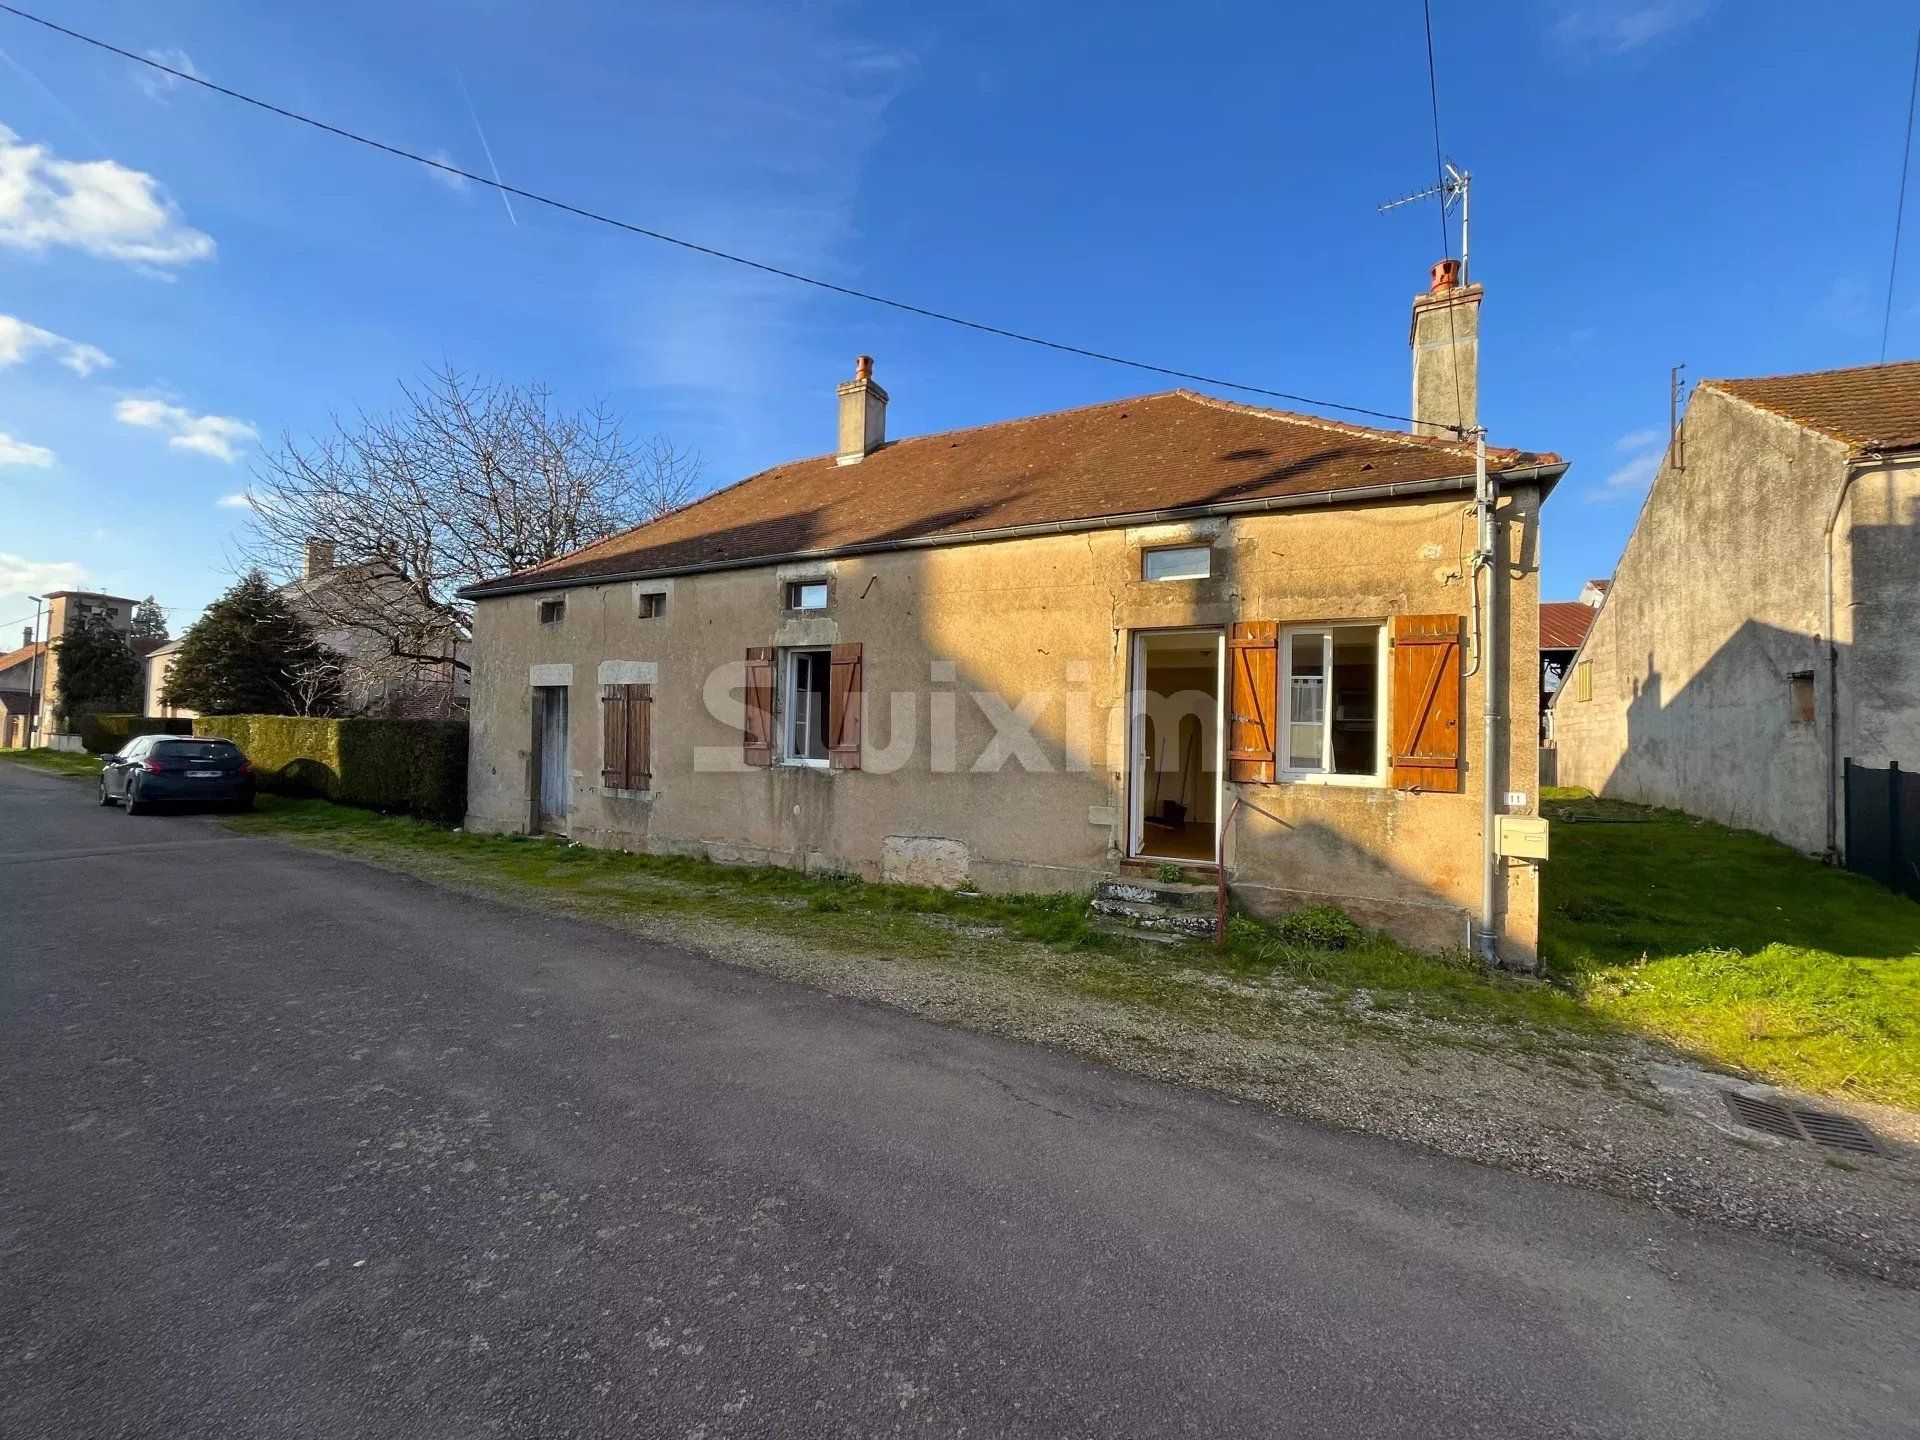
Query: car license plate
{"type": "Point", "coordinates": [203, 774]}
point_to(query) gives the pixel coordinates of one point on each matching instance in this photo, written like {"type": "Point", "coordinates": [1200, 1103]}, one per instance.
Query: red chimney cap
{"type": "Point", "coordinates": [1445, 276]}
{"type": "Point", "coordinates": [863, 367]}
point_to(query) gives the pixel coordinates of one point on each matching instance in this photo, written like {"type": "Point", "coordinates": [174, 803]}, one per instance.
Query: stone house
{"type": "Point", "coordinates": [354, 610]}
{"type": "Point", "coordinates": [1035, 654]}
{"type": "Point", "coordinates": [1563, 625]}
{"type": "Point", "coordinates": [21, 674]}
{"type": "Point", "coordinates": [159, 666]}
{"type": "Point", "coordinates": [1763, 625]}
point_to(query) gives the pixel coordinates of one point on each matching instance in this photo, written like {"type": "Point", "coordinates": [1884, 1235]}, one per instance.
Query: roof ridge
{"type": "Point", "coordinates": [1344, 427]}
{"type": "Point", "coordinates": [1722, 381]}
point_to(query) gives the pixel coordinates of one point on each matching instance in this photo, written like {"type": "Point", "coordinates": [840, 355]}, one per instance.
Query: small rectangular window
{"type": "Point", "coordinates": [653, 606]}
{"type": "Point", "coordinates": [806, 595]}
{"type": "Point", "coordinates": [1179, 562]}
{"type": "Point", "coordinates": [1330, 697]}
{"type": "Point", "coordinates": [804, 723]}
{"type": "Point", "coordinates": [552, 612]}
{"type": "Point", "coordinates": [1800, 699]}
{"type": "Point", "coordinates": [1583, 680]}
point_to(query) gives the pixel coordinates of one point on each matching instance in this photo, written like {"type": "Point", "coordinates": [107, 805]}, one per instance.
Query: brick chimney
{"type": "Point", "coordinates": [26, 635]}
{"type": "Point", "coordinates": [863, 414]}
{"type": "Point", "coordinates": [1446, 354]}
{"type": "Point", "coordinates": [319, 556]}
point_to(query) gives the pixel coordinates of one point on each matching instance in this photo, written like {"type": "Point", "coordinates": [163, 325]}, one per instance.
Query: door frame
{"type": "Point", "coordinates": [1136, 786]}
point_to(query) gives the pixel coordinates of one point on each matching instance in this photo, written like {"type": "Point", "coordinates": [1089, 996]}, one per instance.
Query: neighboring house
{"type": "Point", "coordinates": [1032, 654]}
{"type": "Point", "coordinates": [1764, 622]}
{"type": "Point", "coordinates": [373, 680]}
{"type": "Point", "coordinates": [22, 672]}
{"type": "Point", "coordinates": [65, 608]}
{"type": "Point", "coordinates": [159, 666]}
{"type": "Point", "coordinates": [1563, 625]}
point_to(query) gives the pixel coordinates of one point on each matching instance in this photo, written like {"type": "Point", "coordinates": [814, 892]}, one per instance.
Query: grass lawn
{"type": "Point", "coordinates": [62, 762]}
{"type": "Point", "coordinates": [1734, 947]}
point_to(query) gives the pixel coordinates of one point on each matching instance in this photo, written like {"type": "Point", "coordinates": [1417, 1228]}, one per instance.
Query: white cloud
{"type": "Point", "coordinates": [237, 501]}
{"type": "Point", "coordinates": [459, 184]}
{"type": "Point", "coordinates": [19, 341]}
{"type": "Point", "coordinates": [215, 435]}
{"type": "Point", "coordinates": [1617, 26]}
{"type": "Point", "coordinates": [156, 84]}
{"type": "Point", "coordinates": [19, 452]}
{"type": "Point", "coordinates": [98, 206]}
{"type": "Point", "coordinates": [21, 577]}
{"type": "Point", "coordinates": [1642, 452]}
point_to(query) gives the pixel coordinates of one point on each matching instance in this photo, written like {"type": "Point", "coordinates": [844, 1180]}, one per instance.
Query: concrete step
{"type": "Point", "coordinates": [1166, 939]}
{"type": "Point", "coordinates": [1175, 895]}
{"type": "Point", "coordinates": [1146, 915]}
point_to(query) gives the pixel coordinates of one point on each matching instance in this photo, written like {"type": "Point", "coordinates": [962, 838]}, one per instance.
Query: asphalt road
{"type": "Point", "coordinates": [295, 1147]}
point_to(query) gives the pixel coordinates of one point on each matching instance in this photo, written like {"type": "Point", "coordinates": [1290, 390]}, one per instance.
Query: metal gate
{"type": "Point", "coordinates": [1883, 825]}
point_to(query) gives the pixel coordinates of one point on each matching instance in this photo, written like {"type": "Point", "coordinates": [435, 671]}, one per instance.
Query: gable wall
{"type": "Point", "coordinates": [1716, 602]}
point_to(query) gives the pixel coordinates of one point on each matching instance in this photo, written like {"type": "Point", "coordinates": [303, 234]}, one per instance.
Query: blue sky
{"type": "Point", "coordinates": [1656, 181]}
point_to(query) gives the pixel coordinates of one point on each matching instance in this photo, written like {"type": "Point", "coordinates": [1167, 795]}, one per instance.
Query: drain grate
{"type": "Point", "coordinates": [1797, 1122]}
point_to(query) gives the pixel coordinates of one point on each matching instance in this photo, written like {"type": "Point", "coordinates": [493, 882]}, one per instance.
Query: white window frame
{"type": "Point", "coordinates": [656, 598]}
{"type": "Point", "coordinates": [791, 697]}
{"type": "Point", "coordinates": [1205, 552]}
{"type": "Point", "coordinates": [798, 588]}
{"type": "Point", "coordinates": [1283, 706]}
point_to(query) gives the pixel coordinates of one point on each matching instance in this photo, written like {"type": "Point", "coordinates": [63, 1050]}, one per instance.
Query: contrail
{"type": "Point", "coordinates": [486, 148]}
{"type": "Point", "coordinates": [54, 100]}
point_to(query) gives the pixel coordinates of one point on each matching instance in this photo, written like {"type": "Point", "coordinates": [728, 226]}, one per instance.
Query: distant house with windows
{"type": "Point", "coordinates": [1563, 625]}
{"type": "Point", "coordinates": [356, 610]}
{"type": "Point", "coordinates": [29, 676]}
{"type": "Point", "coordinates": [1763, 625]}
{"type": "Point", "coordinates": [1038, 654]}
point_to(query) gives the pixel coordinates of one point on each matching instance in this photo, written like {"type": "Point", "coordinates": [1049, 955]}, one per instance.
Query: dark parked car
{"type": "Point", "coordinates": [156, 768]}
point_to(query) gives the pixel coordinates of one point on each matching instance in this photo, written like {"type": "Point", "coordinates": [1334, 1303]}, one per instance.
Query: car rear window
{"type": "Point", "coordinates": [223, 750]}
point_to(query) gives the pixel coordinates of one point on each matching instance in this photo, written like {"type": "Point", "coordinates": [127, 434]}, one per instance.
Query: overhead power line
{"type": "Point", "coordinates": [1900, 207]}
{"type": "Point", "coordinates": [697, 248]}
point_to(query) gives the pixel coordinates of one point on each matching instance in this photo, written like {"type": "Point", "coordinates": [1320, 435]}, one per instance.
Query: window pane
{"type": "Point", "coordinates": [807, 676]}
{"type": "Point", "coordinates": [1306, 699]}
{"type": "Point", "coordinates": [1186, 562]}
{"type": "Point", "coordinates": [1356, 700]}
{"type": "Point", "coordinates": [807, 595]}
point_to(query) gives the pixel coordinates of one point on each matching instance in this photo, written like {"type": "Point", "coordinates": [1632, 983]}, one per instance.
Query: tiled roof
{"type": "Point", "coordinates": [1172, 451]}
{"type": "Point", "coordinates": [1564, 623]}
{"type": "Point", "coordinates": [1872, 407]}
{"type": "Point", "coordinates": [21, 656]}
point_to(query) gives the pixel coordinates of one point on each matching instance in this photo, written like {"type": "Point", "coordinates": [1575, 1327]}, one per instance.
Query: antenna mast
{"type": "Point", "coordinates": [1453, 189]}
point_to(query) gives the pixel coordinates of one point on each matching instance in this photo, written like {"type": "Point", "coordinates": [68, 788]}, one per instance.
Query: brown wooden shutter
{"type": "Point", "coordinates": [613, 737]}
{"type": "Point", "coordinates": [1253, 649]}
{"type": "Point", "coordinates": [639, 737]}
{"type": "Point", "coordinates": [1426, 690]}
{"type": "Point", "coordinates": [759, 724]}
{"type": "Point", "coordinates": [845, 695]}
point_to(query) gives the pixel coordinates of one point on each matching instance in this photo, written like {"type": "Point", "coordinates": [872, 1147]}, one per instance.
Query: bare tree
{"type": "Point", "coordinates": [314, 686]}
{"type": "Point", "coordinates": [467, 478]}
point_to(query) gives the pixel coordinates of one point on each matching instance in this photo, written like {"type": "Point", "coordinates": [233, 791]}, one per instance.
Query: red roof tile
{"type": "Point", "coordinates": [1172, 451]}
{"type": "Point", "coordinates": [1564, 624]}
{"type": "Point", "coordinates": [1873, 407]}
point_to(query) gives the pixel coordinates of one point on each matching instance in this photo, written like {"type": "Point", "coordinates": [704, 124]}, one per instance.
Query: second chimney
{"type": "Point", "coordinates": [319, 556]}
{"type": "Point", "coordinates": [1446, 354]}
{"type": "Point", "coordinates": [863, 414]}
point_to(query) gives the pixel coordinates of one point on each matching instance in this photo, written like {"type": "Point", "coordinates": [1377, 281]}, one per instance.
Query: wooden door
{"type": "Point", "coordinates": [553, 768]}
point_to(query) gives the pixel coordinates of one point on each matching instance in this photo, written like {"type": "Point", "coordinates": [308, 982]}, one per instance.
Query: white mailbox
{"type": "Point", "coordinates": [1524, 837]}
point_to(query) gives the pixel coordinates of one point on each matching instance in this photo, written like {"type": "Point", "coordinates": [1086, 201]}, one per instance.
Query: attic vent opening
{"type": "Point", "coordinates": [1800, 1122]}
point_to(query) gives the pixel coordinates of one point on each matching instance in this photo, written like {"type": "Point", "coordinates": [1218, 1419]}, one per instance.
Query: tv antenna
{"type": "Point", "coordinates": [1452, 189]}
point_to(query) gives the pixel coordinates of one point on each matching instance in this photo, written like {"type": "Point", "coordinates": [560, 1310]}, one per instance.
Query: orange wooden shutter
{"type": "Point", "coordinates": [1253, 648]}
{"type": "Point", "coordinates": [639, 737]}
{"type": "Point", "coordinates": [759, 727]}
{"type": "Point", "coordinates": [845, 694]}
{"type": "Point", "coordinates": [1426, 691]}
{"type": "Point", "coordinates": [613, 738]}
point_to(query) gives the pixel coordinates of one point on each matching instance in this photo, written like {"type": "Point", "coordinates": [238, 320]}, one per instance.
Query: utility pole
{"type": "Point", "coordinates": [1676, 441]}
{"type": "Point", "coordinates": [33, 677]}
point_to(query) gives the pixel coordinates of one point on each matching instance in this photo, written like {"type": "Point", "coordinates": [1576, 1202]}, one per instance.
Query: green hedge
{"type": "Point", "coordinates": [416, 767]}
{"type": "Point", "coordinates": [103, 734]}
